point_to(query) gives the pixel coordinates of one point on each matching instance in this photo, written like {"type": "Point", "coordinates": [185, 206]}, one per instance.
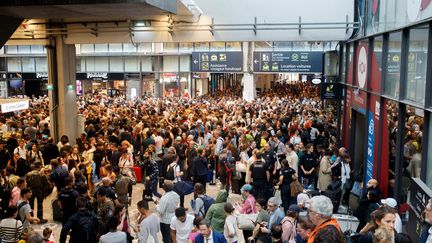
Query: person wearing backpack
{"type": "Point", "coordinates": [40, 185]}
{"type": "Point", "coordinates": [24, 209]}
{"type": "Point", "coordinates": [202, 202]}
{"type": "Point", "coordinates": [67, 198]}
{"type": "Point", "coordinates": [199, 168]}
{"type": "Point", "coordinates": [84, 225]}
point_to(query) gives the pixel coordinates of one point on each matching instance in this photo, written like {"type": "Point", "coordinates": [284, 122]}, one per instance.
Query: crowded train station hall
{"type": "Point", "coordinates": [184, 121]}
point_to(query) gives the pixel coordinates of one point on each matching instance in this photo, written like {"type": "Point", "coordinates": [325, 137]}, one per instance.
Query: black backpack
{"type": "Point", "coordinates": [88, 227]}
{"type": "Point", "coordinates": [170, 172]}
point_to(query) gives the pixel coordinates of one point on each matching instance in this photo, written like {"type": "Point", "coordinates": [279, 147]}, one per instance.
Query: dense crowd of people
{"type": "Point", "coordinates": [280, 153]}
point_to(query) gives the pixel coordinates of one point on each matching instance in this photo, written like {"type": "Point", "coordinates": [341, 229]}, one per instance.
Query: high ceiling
{"type": "Point", "coordinates": [80, 10]}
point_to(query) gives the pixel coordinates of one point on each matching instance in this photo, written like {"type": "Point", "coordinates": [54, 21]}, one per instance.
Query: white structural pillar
{"type": "Point", "coordinates": [62, 99]}
{"type": "Point", "coordinates": [249, 90]}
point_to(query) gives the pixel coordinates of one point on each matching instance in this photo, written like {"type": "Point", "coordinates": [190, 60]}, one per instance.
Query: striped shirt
{"type": "Point", "coordinates": [10, 230]}
{"type": "Point", "coordinates": [167, 205]}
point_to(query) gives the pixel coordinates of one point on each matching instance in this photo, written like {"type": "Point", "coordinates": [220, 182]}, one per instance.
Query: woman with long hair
{"type": "Point", "coordinates": [382, 218]}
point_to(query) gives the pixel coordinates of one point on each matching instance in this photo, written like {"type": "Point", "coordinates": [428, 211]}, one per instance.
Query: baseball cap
{"type": "Point", "coordinates": [391, 202]}
{"type": "Point", "coordinates": [294, 208]}
{"type": "Point", "coordinates": [246, 187]}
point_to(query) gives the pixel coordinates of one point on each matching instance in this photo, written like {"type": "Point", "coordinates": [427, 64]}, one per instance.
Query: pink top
{"type": "Point", "coordinates": [16, 196]}
{"type": "Point", "coordinates": [248, 206]}
{"type": "Point", "coordinates": [288, 230]}
{"type": "Point", "coordinates": [193, 235]}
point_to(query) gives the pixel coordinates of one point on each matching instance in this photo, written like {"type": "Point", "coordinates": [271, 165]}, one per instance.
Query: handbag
{"type": "Point", "coordinates": [184, 188]}
{"type": "Point", "coordinates": [240, 166]}
{"type": "Point", "coordinates": [246, 221]}
{"type": "Point", "coordinates": [295, 188]}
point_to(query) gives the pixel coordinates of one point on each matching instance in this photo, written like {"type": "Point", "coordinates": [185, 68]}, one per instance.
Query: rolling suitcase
{"type": "Point", "coordinates": [138, 174]}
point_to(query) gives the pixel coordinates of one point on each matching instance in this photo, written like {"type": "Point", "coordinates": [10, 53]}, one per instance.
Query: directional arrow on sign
{"type": "Point", "coordinates": [256, 61]}
{"type": "Point", "coordinates": [195, 61]}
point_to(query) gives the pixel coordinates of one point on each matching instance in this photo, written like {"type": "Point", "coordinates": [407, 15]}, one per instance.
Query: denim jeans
{"type": "Point", "coordinates": [154, 186]}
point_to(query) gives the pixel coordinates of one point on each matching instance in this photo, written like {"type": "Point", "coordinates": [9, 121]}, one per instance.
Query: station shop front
{"type": "Point", "coordinates": [387, 104]}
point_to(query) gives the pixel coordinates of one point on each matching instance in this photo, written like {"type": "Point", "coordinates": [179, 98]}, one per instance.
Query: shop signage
{"type": "Point", "coordinates": [330, 91]}
{"type": "Point", "coordinates": [97, 75]}
{"type": "Point", "coordinates": [419, 197]}
{"type": "Point", "coordinates": [370, 147]}
{"type": "Point", "coordinates": [288, 61]}
{"type": "Point", "coordinates": [14, 106]}
{"type": "Point", "coordinates": [217, 62]}
{"type": "Point", "coordinates": [42, 75]}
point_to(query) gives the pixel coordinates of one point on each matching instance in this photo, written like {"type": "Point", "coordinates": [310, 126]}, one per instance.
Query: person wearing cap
{"type": "Point", "coordinates": [320, 212]}
{"type": "Point", "coordinates": [391, 202]}
{"type": "Point", "coordinates": [289, 223]}
{"type": "Point", "coordinates": [248, 205]}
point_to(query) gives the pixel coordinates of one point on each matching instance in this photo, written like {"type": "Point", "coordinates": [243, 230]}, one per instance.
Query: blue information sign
{"type": "Point", "coordinates": [217, 62]}
{"type": "Point", "coordinates": [370, 148]}
{"type": "Point", "coordinates": [288, 61]}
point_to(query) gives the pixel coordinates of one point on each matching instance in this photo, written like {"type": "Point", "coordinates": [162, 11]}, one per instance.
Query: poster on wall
{"type": "Point", "coordinates": [370, 148]}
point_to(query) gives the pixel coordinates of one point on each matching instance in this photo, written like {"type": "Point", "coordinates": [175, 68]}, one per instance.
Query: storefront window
{"type": "Point", "coordinates": [171, 84]}
{"type": "Point", "coordinates": [28, 64]}
{"type": "Point", "coordinates": [132, 64]}
{"type": "Point", "coordinates": [115, 48]}
{"type": "Point", "coordinates": [144, 47]}
{"type": "Point", "coordinates": [37, 49]}
{"type": "Point", "coordinates": [185, 63]}
{"type": "Point", "coordinates": [217, 46]}
{"type": "Point", "coordinates": [343, 68]}
{"type": "Point", "coordinates": [101, 48]}
{"type": "Point", "coordinates": [391, 108]}
{"type": "Point", "coordinates": [170, 63]}
{"type": "Point", "coordinates": [185, 47]}
{"type": "Point", "coordinates": [146, 64]}
{"type": "Point", "coordinates": [80, 64]}
{"type": "Point", "coordinates": [264, 46]}
{"type": "Point", "coordinates": [170, 47]}
{"type": "Point", "coordinates": [350, 63]}
{"type": "Point", "coordinates": [101, 64]}
{"type": "Point", "coordinates": [392, 82]}
{"type": "Point", "coordinates": [233, 46]}
{"type": "Point", "coordinates": [284, 45]}
{"type": "Point", "coordinates": [412, 148]}
{"type": "Point", "coordinates": [14, 64]}
{"type": "Point", "coordinates": [184, 84]}
{"type": "Point", "coordinates": [417, 63]}
{"type": "Point", "coordinates": [87, 48]}
{"type": "Point", "coordinates": [90, 64]}
{"type": "Point", "coordinates": [24, 49]}
{"type": "Point", "coordinates": [2, 64]}
{"type": "Point", "coordinates": [202, 46]}
{"type": "Point", "coordinates": [11, 49]}
{"type": "Point", "coordinates": [129, 47]}
{"type": "Point", "coordinates": [375, 84]}
{"type": "Point", "coordinates": [116, 64]}
{"type": "Point", "coordinates": [42, 65]}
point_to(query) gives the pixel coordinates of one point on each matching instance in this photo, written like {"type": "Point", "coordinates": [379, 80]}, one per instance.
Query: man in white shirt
{"type": "Point", "coordinates": [292, 157]}
{"type": "Point", "coordinates": [391, 202]}
{"type": "Point", "coordinates": [113, 236]}
{"type": "Point", "coordinates": [21, 150]}
{"type": "Point", "coordinates": [181, 226]}
{"type": "Point", "coordinates": [166, 208]}
{"type": "Point", "coordinates": [149, 226]}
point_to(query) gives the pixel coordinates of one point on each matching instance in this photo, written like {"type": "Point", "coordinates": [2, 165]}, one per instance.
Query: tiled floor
{"type": "Point", "coordinates": [136, 196]}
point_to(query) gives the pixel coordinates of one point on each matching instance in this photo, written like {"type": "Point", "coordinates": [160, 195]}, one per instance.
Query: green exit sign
{"type": "Point", "coordinates": [50, 87]}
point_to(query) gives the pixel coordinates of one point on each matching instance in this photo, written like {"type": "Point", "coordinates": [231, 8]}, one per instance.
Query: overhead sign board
{"type": "Point", "coordinates": [217, 62]}
{"type": "Point", "coordinates": [330, 91]}
{"type": "Point", "coordinates": [288, 61]}
{"type": "Point", "coordinates": [14, 106]}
